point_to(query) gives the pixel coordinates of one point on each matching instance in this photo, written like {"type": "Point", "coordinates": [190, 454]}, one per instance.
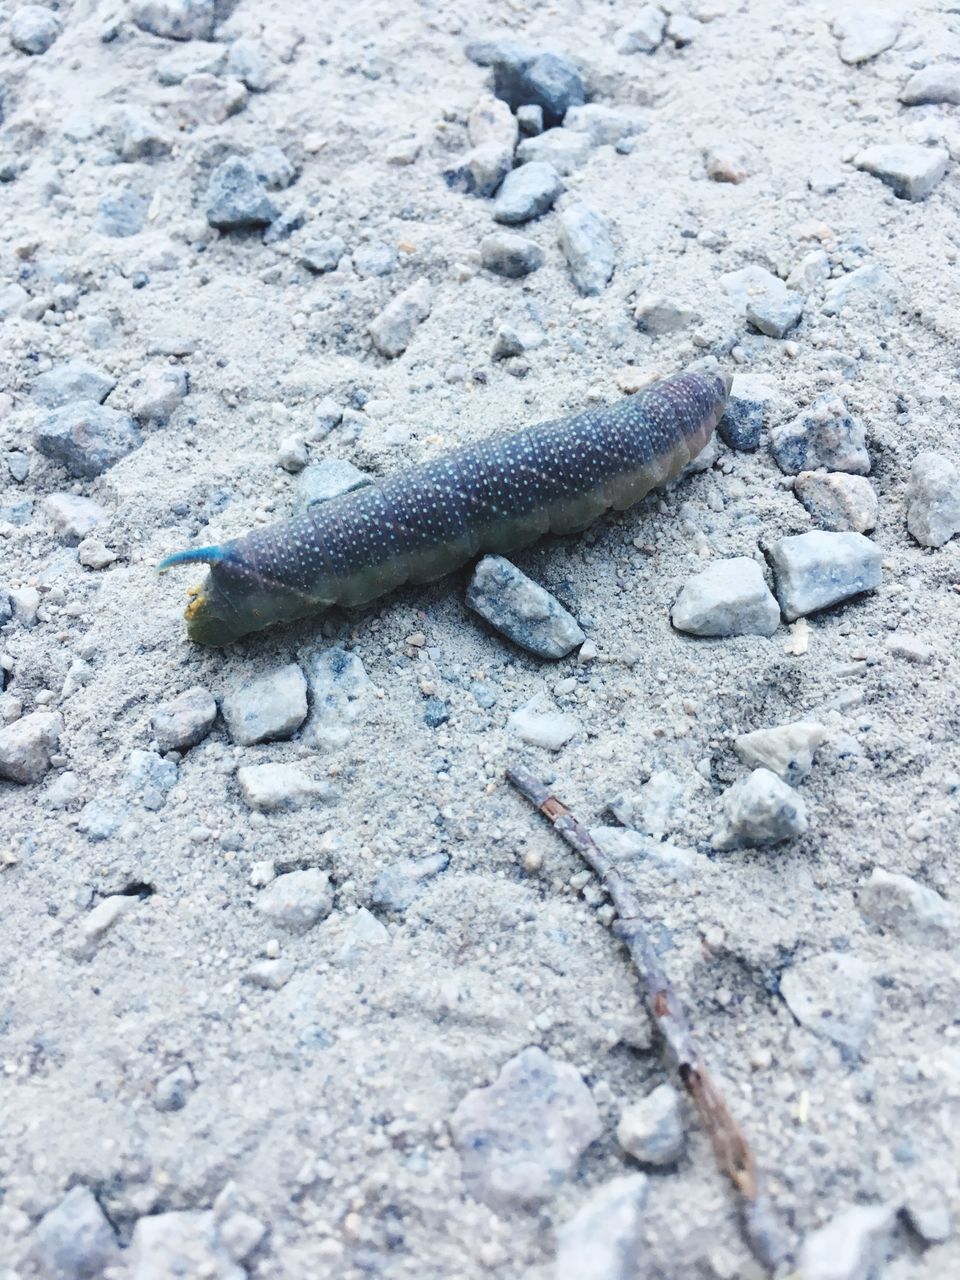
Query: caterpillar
{"type": "Point", "coordinates": [497, 495]}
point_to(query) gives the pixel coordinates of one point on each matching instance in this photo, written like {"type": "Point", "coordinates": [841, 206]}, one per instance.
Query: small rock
{"type": "Point", "coordinates": [480, 171]}
{"type": "Point", "coordinates": [527, 192]}
{"type": "Point", "coordinates": [297, 900]}
{"type": "Point", "coordinates": [586, 244]}
{"type": "Point", "coordinates": [94, 554]}
{"type": "Point", "coordinates": [865, 284]}
{"type": "Point", "coordinates": [63, 791]}
{"type": "Point", "coordinates": [758, 810]}
{"type": "Point", "coordinates": [273, 167]}
{"type": "Point", "coordinates": [565, 150]}
{"type": "Point", "coordinates": [811, 273]}
{"type": "Point", "coordinates": [652, 1130]}
{"type": "Point", "coordinates": [25, 601]}
{"type": "Point", "coordinates": [18, 463]}
{"type": "Point", "coordinates": [909, 910]}
{"type": "Point", "coordinates": [270, 975]}
{"type": "Point", "coordinates": [605, 1237]}
{"type": "Point", "coordinates": [755, 289]}
{"type": "Point", "coordinates": [491, 122]}
{"type": "Point", "coordinates": [911, 171]}
{"type": "Point", "coordinates": [374, 259]}
{"type": "Point", "coordinates": [173, 1089]}
{"type": "Point", "coordinates": [816, 570]}
{"type": "Point", "coordinates": [548, 80]}
{"type": "Point", "coordinates": [826, 436]}
{"type": "Point", "coordinates": [73, 517]}
{"type": "Point", "coordinates": [98, 922]}
{"type": "Point", "coordinates": [33, 29]}
{"type": "Point", "coordinates": [122, 215]}
{"type": "Point", "coordinates": [69, 382]}
{"type": "Point", "coordinates": [320, 256]}
{"type": "Point", "coordinates": [832, 996]}
{"type": "Point", "coordinates": [149, 777]}
{"type": "Point", "coordinates": [339, 689]}
{"type": "Point", "coordinates": [775, 314]}
{"type": "Point", "coordinates": [928, 1214]}
{"type": "Point", "coordinates": [272, 788]}
{"type": "Point", "coordinates": [12, 298]}
{"type": "Point", "coordinates": [838, 502]}
{"type": "Point", "coordinates": [510, 255]}
{"type": "Point", "coordinates": [522, 1136]}
{"type": "Point", "coordinates": [933, 500]}
{"type": "Point", "coordinates": [644, 32]}
{"type": "Point", "coordinates": [393, 330]}
{"type": "Point", "coordinates": [852, 1246]}
{"type": "Point", "coordinates": [328, 479]}
{"type": "Point", "coordinates": [725, 163]}
{"type": "Point", "coordinates": [682, 29]}
{"type": "Point", "coordinates": [658, 315]}
{"type": "Point", "coordinates": [904, 645]}
{"type": "Point", "coordinates": [175, 19]}
{"type": "Point", "coordinates": [86, 438]}
{"type": "Point", "coordinates": [530, 119]}
{"type": "Point", "coordinates": [27, 744]}
{"type": "Point", "coordinates": [786, 750]}
{"type": "Point", "coordinates": [748, 407]}
{"type": "Point", "coordinates": [937, 83]}
{"type": "Point", "coordinates": [162, 389]}
{"type": "Point", "coordinates": [178, 1244]}
{"type": "Point", "coordinates": [247, 61]}
{"type": "Point", "coordinates": [865, 34]}
{"type": "Point", "coordinates": [548, 729]}
{"type": "Point", "coordinates": [397, 886]}
{"type": "Point", "coordinates": [236, 199]}
{"type": "Point", "coordinates": [521, 609]}
{"type": "Point", "coordinates": [185, 720]}
{"type": "Point", "coordinates": [623, 845]}
{"type": "Point", "coordinates": [270, 706]}
{"type": "Point", "coordinates": [516, 339]}
{"type": "Point", "coordinates": [140, 137]}
{"type": "Point", "coordinates": [652, 809]}
{"type": "Point", "coordinates": [605, 126]}
{"type": "Point", "coordinates": [728, 598]}
{"type": "Point", "coordinates": [74, 1240]}
{"type": "Point", "coordinates": [292, 454]}
{"type": "Point", "coordinates": [99, 819]}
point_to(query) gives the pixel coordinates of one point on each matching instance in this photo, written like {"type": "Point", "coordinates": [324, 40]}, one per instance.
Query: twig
{"type": "Point", "coordinates": [734, 1156]}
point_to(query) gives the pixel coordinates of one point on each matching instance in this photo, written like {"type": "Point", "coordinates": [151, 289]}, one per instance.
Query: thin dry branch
{"type": "Point", "coordinates": [734, 1156]}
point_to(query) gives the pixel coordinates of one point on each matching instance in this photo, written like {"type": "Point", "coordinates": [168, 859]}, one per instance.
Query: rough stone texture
{"type": "Point", "coordinates": [527, 193]}
{"type": "Point", "coordinates": [911, 171]}
{"type": "Point", "coordinates": [546, 80]}
{"type": "Point", "coordinates": [522, 1136]}
{"type": "Point", "coordinates": [161, 391]}
{"type": "Point", "coordinates": [180, 1244]}
{"type": "Point", "coordinates": [839, 502]}
{"type": "Point", "coordinates": [480, 171]}
{"type": "Point", "coordinates": [74, 1240]}
{"type": "Point", "coordinates": [786, 750]}
{"type": "Point", "coordinates": [75, 380]}
{"type": "Point", "coordinates": [604, 1238]}
{"type": "Point", "coordinates": [775, 315]}
{"type": "Point", "coordinates": [832, 995]}
{"type": "Point", "coordinates": [902, 906]}
{"type": "Point", "coordinates": [236, 199]}
{"type": "Point", "coordinates": [72, 516]}
{"type": "Point", "coordinates": [297, 900]}
{"type": "Point", "coordinates": [815, 570]}
{"type": "Point", "coordinates": [339, 690]}
{"type": "Point", "coordinates": [33, 29]}
{"type": "Point", "coordinates": [728, 598]}
{"type": "Point", "coordinates": [811, 273]}
{"type": "Point", "coordinates": [746, 413]}
{"type": "Point", "coordinates": [272, 706]}
{"type": "Point", "coordinates": [185, 720]}
{"type": "Point", "coordinates": [587, 247]}
{"type": "Point", "coordinates": [826, 436]}
{"type": "Point", "coordinates": [393, 330]}
{"type": "Point", "coordinates": [565, 150]}
{"type": "Point", "coordinates": [270, 788]}
{"type": "Point", "coordinates": [175, 19]}
{"type": "Point", "coordinates": [27, 745]}
{"type": "Point", "coordinates": [759, 810]}
{"type": "Point", "coordinates": [86, 438]}
{"type": "Point", "coordinates": [869, 285]}
{"type": "Point", "coordinates": [651, 1130]}
{"type": "Point", "coordinates": [510, 255]}
{"type": "Point", "coordinates": [491, 121]}
{"type": "Point", "coordinates": [605, 125]}
{"type": "Point", "coordinates": [937, 83]}
{"type": "Point", "coordinates": [328, 479]}
{"type": "Point", "coordinates": [522, 610]}
{"type": "Point", "coordinates": [321, 256]}
{"type": "Point", "coordinates": [933, 500]}
{"type": "Point", "coordinates": [852, 1246]}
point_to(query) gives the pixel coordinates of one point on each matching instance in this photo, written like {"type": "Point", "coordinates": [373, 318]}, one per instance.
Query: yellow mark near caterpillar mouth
{"type": "Point", "coordinates": [197, 601]}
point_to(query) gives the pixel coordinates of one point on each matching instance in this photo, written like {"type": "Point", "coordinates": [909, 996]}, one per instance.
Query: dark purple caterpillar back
{"type": "Point", "coordinates": [493, 496]}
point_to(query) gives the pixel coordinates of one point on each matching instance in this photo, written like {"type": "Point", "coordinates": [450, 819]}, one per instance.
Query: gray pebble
{"type": "Point", "coordinates": [12, 298]}
{"type": "Point", "coordinates": [909, 910]}
{"type": "Point", "coordinates": [604, 1239]}
{"type": "Point", "coordinates": [148, 779]}
{"type": "Point", "coordinates": [864, 284]}
{"type": "Point", "coordinates": [644, 32]}
{"type": "Point", "coordinates": [27, 744]}
{"type": "Point", "coordinates": [292, 454]}
{"type": "Point", "coordinates": [393, 329]}
{"type": "Point", "coordinates": [928, 1214]}
{"type": "Point", "coordinates": [480, 171]}
{"type": "Point", "coordinates": [811, 273]}
{"type": "Point", "coordinates": [775, 314]}
{"type": "Point", "coordinates": [513, 339]}
{"type": "Point", "coordinates": [521, 609]}
{"type": "Point", "coordinates": [33, 29]}
{"type": "Point", "coordinates": [268, 706]}
{"type": "Point", "coordinates": [818, 569]}
{"type": "Point", "coordinates": [236, 198]}
{"type": "Point", "coordinates": [374, 259]}
{"type": "Point", "coordinates": [401, 883]}
{"type": "Point", "coordinates": [548, 729]}
{"type": "Point", "coordinates": [85, 437]}
{"type": "Point", "coordinates": [837, 501]}
{"type": "Point", "coordinates": [491, 121]}
{"type": "Point", "coordinates": [527, 193]}
{"type": "Point", "coordinates": [605, 126]}
{"type": "Point", "coordinates": [753, 284]}
{"type": "Point", "coordinates": [786, 750]}
{"type": "Point", "coordinates": [175, 19]}
{"type": "Point", "coordinates": [825, 436]}
{"type": "Point", "coordinates": [248, 62]}
{"type": "Point", "coordinates": [652, 1130]}
{"type": "Point", "coordinates": [105, 915]}
{"type": "Point", "coordinates": [937, 83]}
{"type": "Point", "coordinates": [586, 244]}
{"type": "Point", "coordinates": [273, 167]}
{"type": "Point", "coordinates": [180, 1244]}
{"type": "Point", "coordinates": [911, 171]}
{"type": "Point", "coordinates": [72, 516]}
{"type": "Point", "coordinates": [328, 479]}
{"type": "Point", "coordinates": [933, 500]}
{"type": "Point", "coordinates": [327, 414]}
{"type": "Point", "coordinates": [746, 413]}
{"type": "Point", "coordinates": [185, 720]}
{"type": "Point", "coordinates": [297, 900]}
{"type": "Point", "coordinates": [550, 81]}
{"type": "Point", "coordinates": [122, 215]}
{"type": "Point", "coordinates": [852, 1246]}
{"type": "Point", "coordinates": [162, 389]}
{"type": "Point", "coordinates": [658, 315]}
{"type": "Point", "coordinates": [25, 602]}
{"type": "Point", "coordinates": [759, 810]}
{"type": "Point", "coordinates": [273, 788]}
{"type": "Point", "coordinates": [270, 975]}
{"type": "Point", "coordinates": [67, 383]}
{"type": "Point", "coordinates": [74, 1240]}
{"type": "Point", "coordinates": [530, 119]}
{"type": "Point", "coordinates": [101, 817]}
{"type": "Point", "coordinates": [832, 996]}
{"type": "Point", "coordinates": [864, 34]}
{"type": "Point", "coordinates": [728, 598]}
{"type": "Point", "coordinates": [522, 1136]}
{"type": "Point", "coordinates": [507, 254]}
{"type": "Point", "coordinates": [322, 255]}
{"type": "Point", "coordinates": [339, 690]}
{"type": "Point", "coordinates": [563, 149]}
{"type": "Point", "coordinates": [173, 1090]}
{"type": "Point", "coordinates": [140, 136]}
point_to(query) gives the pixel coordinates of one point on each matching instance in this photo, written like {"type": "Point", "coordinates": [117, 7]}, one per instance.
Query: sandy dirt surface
{"type": "Point", "coordinates": [208, 1070]}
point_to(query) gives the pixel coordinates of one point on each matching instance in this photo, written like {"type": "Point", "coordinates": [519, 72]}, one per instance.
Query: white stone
{"type": "Point", "coordinates": [105, 914]}
{"type": "Point", "coordinates": [786, 750]}
{"type": "Point", "coordinates": [270, 788]}
{"type": "Point", "coordinates": [162, 389]}
{"type": "Point", "coordinates": [818, 569]}
{"type": "Point", "coordinates": [911, 171]}
{"type": "Point", "coordinates": [758, 810]}
{"type": "Point", "coordinates": [911, 911]}
{"type": "Point", "coordinates": [393, 329]}
{"type": "Point", "coordinates": [865, 33]}
{"type": "Point", "coordinates": [933, 500]}
{"type": "Point", "coordinates": [643, 33]}
{"type": "Point", "coordinates": [852, 1246]}
{"type": "Point", "coordinates": [604, 1238]}
{"type": "Point", "coordinates": [273, 705]}
{"type": "Point", "coordinates": [652, 1130]}
{"type": "Point", "coordinates": [728, 598]}
{"type": "Point", "coordinates": [297, 900]}
{"type": "Point", "coordinates": [937, 83]}
{"type": "Point", "coordinates": [27, 744]}
{"type": "Point", "coordinates": [548, 729]}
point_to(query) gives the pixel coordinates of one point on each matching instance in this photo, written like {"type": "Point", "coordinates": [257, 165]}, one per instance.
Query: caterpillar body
{"type": "Point", "coordinates": [497, 496]}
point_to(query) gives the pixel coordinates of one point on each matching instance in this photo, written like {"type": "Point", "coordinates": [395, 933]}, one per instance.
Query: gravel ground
{"type": "Point", "coordinates": [295, 985]}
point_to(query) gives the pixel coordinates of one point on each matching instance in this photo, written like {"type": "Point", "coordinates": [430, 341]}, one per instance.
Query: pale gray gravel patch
{"type": "Point", "coordinates": [911, 171]}
{"type": "Point", "coordinates": [122, 215]}
{"type": "Point", "coordinates": [277, 787]}
{"type": "Point", "coordinates": [85, 437]}
{"type": "Point", "coordinates": [786, 749]}
{"type": "Point", "coordinates": [937, 83]}
{"type": "Point", "coordinates": [27, 744]}
{"type": "Point", "coordinates": [522, 610]}
{"type": "Point", "coordinates": [815, 570]}
{"type": "Point", "coordinates": [66, 383]}
{"type": "Point", "coordinates": [758, 810]}
{"type": "Point", "coordinates": [933, 499]}
{"type": "Point", "coordinates": [298, 900]}
{"type": "Point", "coordinates": [832, 995]}
{"type": "Point", "coordinates": [492, 121]}
{"type": "Point", "coordinates": [826, 436]}
{"type": "Point", "coordinates": [393, 329]}
{"type": "Point", "coordinates": [565, 150]}
{"type": "Point", "coordinates": [373, 259]}
{"type": "Point", "coordinates": [513, 256]}
{"type": "Point", "coordinates": [73, 516]}
{"type": "Point", "coordinates": [74, 1240]}
{"type": "Point", "coordinates": [521, 1137]}
{"type": "Point", "coordinates": [272, 705]}
{"type": "Point", "coordinates": [184, 720]}
{"type": "Point", "coordinates": [604, 1238]}
{"type": "Point", "coordinates": [527, 193]}
{"type": "Point", "coordinates": [651, 1130]}
{"type": "Point", "coordinates": [148, 779]}
{"type": "Point", "coordinates": [12, 298]}
{"type": "Point", "coordinates": [852, 1246]}
{"type": "Point", "coordinates": [902, 906]}
{"type": "Point", "coordinates": [755, 286]}
{"type": "Point", "coordinates": [839, 502]}
{"type": "Point", "coordinates": [587, 247]}
{"type": "Point", "coordinates": [728, 598]}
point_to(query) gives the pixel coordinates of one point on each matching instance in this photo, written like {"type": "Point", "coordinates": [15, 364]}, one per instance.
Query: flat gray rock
{"type": "Point", "coordinates": [747, 412]}
{"type": "Point", "coordinates": [759, 810]}
{"type": "Point", "coordinates": [339, 690]}
{"type": "Point", "coordinates": [909, 910]}
{"type": "Point", "coordinates": [277, 787]}
{"type": "Point", "coordinates": [522, 610]}
{"type": "Point", "coordinates": [85, 437]}
{"type": "Point", "coordinates": [510, 255]}
{"type": "Point", "coordinates": [911, 171]}
{"type": "Point", "coordinates": [269, 706]}
{"type": "Point", "coordinates": [75, 380]}
{"type": "Point", "coordinates": [527, 193]}
{"type": "Point", "coordinates": [852, 1246]}
{"type": "Point", "coordinates": [937, 83]}
{"type": "Point", "coordinates": [565, 150]}
{"type": "Point", "coordinates": [185, 720]}
{"type": "Point", "coordinates": [933, 500]}
{"type": "Point", "coordinates": [74, 1240]}
{"type": "Point", "coordinates": [728, 598]}
{"type": "Point", "coordinates": [298, 900]}
{"type": "Point", "coordinates": [815, 570]}
{"type": "Point", "coordinates": [825, 436]}
{"type": "Point", "coordinates": [73, 516]}
{"type": "Point", "coordinates": [604, 1238]}
{"type": "Point", "coordinates": [587, 247]}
